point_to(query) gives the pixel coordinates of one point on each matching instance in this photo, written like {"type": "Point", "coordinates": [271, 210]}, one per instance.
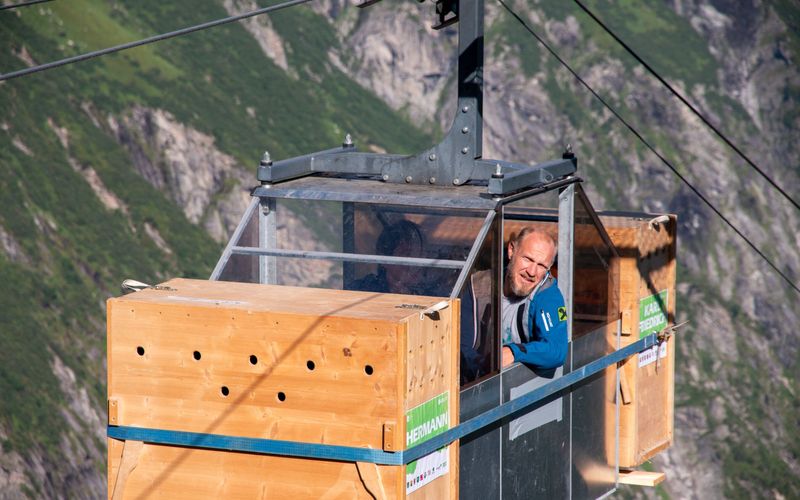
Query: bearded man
{"type": "Point", "coordinates": [534, 318]}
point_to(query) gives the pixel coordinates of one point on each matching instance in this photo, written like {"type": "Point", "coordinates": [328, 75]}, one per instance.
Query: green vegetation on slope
{"type": "Point", "coordinates": [75, 251]}
{"type": "Point", "coordinates": [661, 37]}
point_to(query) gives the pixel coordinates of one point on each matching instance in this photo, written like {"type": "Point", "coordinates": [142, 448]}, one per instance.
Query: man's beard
{"type": "Point", "coordinates": [516, 290]}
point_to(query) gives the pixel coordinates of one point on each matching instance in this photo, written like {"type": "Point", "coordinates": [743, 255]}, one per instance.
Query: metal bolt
{"type": "Point", "coordinates": [465, 130]}
{"type": "Point", "coordinates": [432, 156]}
{"type": "Point", "coordinates": [432, 180]}
{"type": "Point", "coordinates": [568, 154]}
{"type": "Point", "coordinates": [266, 159]}
{"type": "Point", "coordinates": [465, 109]}
{"type": "Point", "coordinates": [498, 173]}
{"type": "Point", "coordinates": [464, 151]}
{"type": "Point", "coordinates": [408, 179]}
{"type": "Point", "coordinates": [386, 177]}
{"type": "Point", "coordinates": [348, 140]}
{"type": "Point", "coordinates": [456, 181]}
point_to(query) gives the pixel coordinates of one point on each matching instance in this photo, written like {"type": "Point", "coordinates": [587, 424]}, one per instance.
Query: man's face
{"type": "Point", "coordinates": [529, 261]}
{"type": "Point", "coordinates": [402, 279]}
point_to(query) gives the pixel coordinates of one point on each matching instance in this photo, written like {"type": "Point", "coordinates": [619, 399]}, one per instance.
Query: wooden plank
{"type": "Point", "coordinates": [656, 380]}
{"type": "Point", "coordinates": [129, 461]}
{"type": "Point", "coordinates": [629, 300]}
{"type": "Point", "coordinates": [455, 402]}
{"type": "Point", "coordinates": [250, 297]}
{"type": "Point", "coordinates": [431, 352]}
{"type": "Point", "coordinates": [428, 359]}
{"type": "Point", "coordinates": [610, 419]}
{"type": "Point", "coordinates": [641, 477]}
{"type": "Point", "coordinates": [624, 388]}
{"type": "Point", "coordinates": [627, 322]}
{"type": "Point", "coordinates": [371, 478]}
{"type": "Point", "coordinates": [178, 473]}
{"type": "Point", "coordinates": [115, 447]}
{"type": "Point", "coordinates": [673, 277]}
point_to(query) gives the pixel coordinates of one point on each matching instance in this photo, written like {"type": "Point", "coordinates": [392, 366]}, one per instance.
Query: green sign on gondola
{"type": "Point", "coordinates": [427, 420]}
{"type": "Point", "coordinates": [653, 313]}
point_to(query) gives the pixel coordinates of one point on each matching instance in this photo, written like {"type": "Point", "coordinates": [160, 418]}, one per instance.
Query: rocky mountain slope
{"type": "Point", "coordinates": [139, 165]}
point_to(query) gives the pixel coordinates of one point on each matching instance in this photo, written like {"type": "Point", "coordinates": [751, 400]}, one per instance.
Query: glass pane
{"type": "Point", "coordinates": [479, 344]}
{"type": "Point", "coordinates": [244, 268]}
{"type": "Point", "coordinates": [309, 225]}
{"type": "Point", "coordinates": [548, 199]}
{"type": "Point", "coordinates": [340, 245]}
{"type": "Point", "coordinates": [595, 287]}
{"type": "Point", "coordinates": [393, 231]}
{"type": "Point", "coordinates": [528, 272]}
{"type": "Point", "coordinates": [311, 273]}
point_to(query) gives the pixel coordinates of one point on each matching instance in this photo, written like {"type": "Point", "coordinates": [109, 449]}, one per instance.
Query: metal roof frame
{"type": "Point", "coordinates": [456, 161]}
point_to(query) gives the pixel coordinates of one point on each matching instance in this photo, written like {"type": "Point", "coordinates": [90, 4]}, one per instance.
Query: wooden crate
{"type": "Point", "coordinates": [647, 381]}
{"type": "Point", "coordinates": [285, 363]}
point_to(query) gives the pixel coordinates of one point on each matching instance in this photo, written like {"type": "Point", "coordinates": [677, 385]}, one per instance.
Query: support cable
{"type": "Point", "coordinates": [22, 4]}
{"type": "Point", "coordinates": [156, 38]}
{"type": "Point", "coordinates": [651, 148]}
{"type": "Point", "coordinates": [688, 104]}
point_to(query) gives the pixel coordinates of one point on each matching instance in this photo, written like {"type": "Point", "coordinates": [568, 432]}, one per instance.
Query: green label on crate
{"type": "Point", "coordinates": [653, 313]}
{"type": "Point", "coordinates": [427, 420]}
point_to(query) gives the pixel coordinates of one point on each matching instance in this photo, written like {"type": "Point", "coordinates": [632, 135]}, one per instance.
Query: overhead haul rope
{"type": "Point", "coordinates": [22, 4]}
{"type": "Point", "coordinates": [651, 148]}
{"type": "Point", "coordinates": [156, 38]}
{"type": "Point", "coordinates": [688, 104]}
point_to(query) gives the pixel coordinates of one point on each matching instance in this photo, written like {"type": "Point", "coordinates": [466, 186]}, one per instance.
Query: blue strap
{"type": "Point", "coordinates": [354, 454]}
{"type": "Point", "coordinates": [255, 445]}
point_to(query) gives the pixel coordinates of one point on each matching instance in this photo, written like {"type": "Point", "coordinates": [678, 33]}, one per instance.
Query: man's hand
{"type": "Point", "coordinates": [508, 356]}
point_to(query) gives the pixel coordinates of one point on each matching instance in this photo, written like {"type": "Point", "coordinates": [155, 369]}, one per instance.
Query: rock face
{"type": "Point", "coordinates": [400, 59]}
{"type": "Point", "coordinates": [261, 29]}
{"type": "Point", "coordinates": [211, 189]}
{"type": "Point", "coordinates": [204, 182]}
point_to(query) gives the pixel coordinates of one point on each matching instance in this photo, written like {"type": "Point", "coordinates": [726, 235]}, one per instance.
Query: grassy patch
{"type": "Point", "coordinates": [662, 38]}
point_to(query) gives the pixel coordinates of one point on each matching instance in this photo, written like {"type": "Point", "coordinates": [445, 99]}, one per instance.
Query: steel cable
{"type": "Point", "coordinates": [22, 4]}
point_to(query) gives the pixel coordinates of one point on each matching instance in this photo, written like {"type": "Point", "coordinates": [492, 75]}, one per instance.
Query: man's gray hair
{"type": "Point", "coordinates": [528, 230]}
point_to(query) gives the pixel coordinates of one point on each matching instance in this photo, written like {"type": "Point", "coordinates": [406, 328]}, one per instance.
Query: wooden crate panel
{"type": "Point", "coordinates": [647, 267]}
{"type": "Point", "coordinates": [285, 363]}
{"type": "Point", "coordinates": [432, 369]}
{"type": "Point", "coordinates": [226, 394]}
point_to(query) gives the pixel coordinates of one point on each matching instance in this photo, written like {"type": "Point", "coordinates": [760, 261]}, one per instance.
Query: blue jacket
{"type": "Point", "coordinates": [545, 349]}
